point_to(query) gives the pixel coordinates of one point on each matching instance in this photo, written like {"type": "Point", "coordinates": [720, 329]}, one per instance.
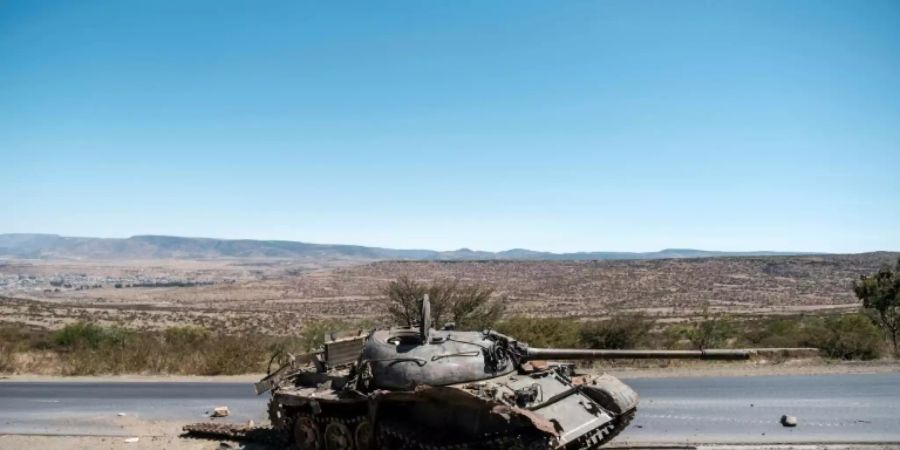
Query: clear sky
{"type": "Point", "coordinates": [561, 126]}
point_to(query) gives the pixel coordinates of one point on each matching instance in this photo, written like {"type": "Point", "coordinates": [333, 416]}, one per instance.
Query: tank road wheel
{"type": "Point", "coordinates": [306, 434]}
{"type": "Point", "coordinates": [338, 437]}
{"type": "Point", "coordinates": [363, 435]}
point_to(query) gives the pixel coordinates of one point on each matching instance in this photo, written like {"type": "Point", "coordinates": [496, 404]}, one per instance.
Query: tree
{"type": "Point", "coordinates": [880, 295]}
{"type": "Point", "coordinates": [403, 296]}
{"type": "Point", "coordinates": [468, 306]}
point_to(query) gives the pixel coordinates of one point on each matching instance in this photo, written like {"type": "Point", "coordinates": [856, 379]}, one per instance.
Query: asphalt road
{"type": "Point", "coordinates": [830, 408]}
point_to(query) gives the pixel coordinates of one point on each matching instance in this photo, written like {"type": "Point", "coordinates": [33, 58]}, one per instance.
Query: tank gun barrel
{"type": "Point", "coordinates": [574, 353]}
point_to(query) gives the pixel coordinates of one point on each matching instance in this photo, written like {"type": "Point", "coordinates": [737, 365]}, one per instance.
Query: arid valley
{"type": "Point", "coordinates": [278, 297]}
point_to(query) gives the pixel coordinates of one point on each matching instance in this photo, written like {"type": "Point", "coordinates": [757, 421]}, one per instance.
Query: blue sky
{"type": "Point", "coordinates": [555, 126]}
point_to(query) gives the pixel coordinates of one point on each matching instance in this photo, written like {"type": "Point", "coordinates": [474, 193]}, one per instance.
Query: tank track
{"type": "Point", "coordinates": [604, 434]}
{"type": "Point", "coordinates": [236, 432]}
{"type": "Point", "coordinates": [393, 436]}
{"type": "Point", "coordinates": [402, 438]}
{"type": "Point", "coordinates": [396, 436]}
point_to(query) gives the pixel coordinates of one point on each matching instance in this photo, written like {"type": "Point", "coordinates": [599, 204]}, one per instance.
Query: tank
{"type": "Point", "coordinates": [423, 388]}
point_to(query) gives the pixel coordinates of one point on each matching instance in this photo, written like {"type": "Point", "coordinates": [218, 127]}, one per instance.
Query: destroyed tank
{"type": "Point", "coordinates": [421, 388]}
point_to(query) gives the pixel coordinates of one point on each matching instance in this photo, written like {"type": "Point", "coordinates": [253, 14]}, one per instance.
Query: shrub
{"type": "Point", "coordinates": [542, 332]}
{"type": "Point", "coordinates": [850, 337]}
{"type": "Point", "coordinates": [708, 332]}
{"type": "Point", "coordinates": [88, 335]}
{"type": "Point", "coordinates": [620, 331]}
{"type": "Point", "coordinates": [782, 332]}
{"type": "Point", "coordinates": [673, 336]}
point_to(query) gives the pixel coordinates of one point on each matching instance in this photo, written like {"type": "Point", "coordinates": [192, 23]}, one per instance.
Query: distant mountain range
{"type": "Point", "coordinates": [51, 246]}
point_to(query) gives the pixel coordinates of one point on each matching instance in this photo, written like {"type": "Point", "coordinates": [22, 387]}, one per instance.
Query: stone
{"type": "Point", "coordinates": [789, 421]}
{"type": "Point", "coordinates": [220, 411]}
{"type": "Point", "coordinates": [131, 440]}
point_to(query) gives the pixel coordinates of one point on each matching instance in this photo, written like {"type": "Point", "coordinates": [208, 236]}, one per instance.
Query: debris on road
{"type": "Point", "coordinates": [789, 421]}
{"type": "Point", "coordinates": [121, 414]}
{"type": "Point", "coordinates": [220, 411]}
{"type": "Point", "coordinates": [131, 440]}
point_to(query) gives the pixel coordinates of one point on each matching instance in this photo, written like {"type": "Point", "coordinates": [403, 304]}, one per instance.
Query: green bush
{"type": "Point", "coordinates": [88, 335]}
{"type": "Point", "coordinates": [782, 332]}
{"type": "Point", "coordinates": [705, 333]}
{"type": "Point", "coordinates": [673, 337]}
{"type": "Point", "coordinates": [851, 337]}
{"type": "Point", "coordinates": [620, 331]}
{"type": "Point", "coordinates": [542, 332]}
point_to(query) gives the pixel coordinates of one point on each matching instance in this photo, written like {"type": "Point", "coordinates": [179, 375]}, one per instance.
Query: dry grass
{"type": "Point", "coordinates": [84, 348]}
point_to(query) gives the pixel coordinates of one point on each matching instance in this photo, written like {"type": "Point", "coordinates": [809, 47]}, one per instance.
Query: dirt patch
{"type": "Point", "coordinates": [151, 435]}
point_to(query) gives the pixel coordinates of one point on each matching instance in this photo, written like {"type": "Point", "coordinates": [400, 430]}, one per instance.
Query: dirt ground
{"type": "Point", "coordinates": [150, 435]}
{"type": "Point", "coordinates": [168, 441]}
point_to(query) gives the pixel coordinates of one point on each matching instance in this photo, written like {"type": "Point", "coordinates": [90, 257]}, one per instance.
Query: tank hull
{"type": "Point", "coordinates": [547, 409]}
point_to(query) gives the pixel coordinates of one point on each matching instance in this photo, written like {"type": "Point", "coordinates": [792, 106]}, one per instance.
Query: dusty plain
{"type": "Point", "coordinates": [278, 297]}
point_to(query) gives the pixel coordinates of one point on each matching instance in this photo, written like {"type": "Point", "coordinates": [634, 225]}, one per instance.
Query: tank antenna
{"type": "Point", "coordinates": [425, 322]}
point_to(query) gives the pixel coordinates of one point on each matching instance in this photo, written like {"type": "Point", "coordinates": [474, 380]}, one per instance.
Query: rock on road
{"type": "Point", "coordinates": [696, 410]}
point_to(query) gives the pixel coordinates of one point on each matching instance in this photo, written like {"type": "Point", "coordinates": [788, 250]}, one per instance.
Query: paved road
{"type": "Point", "coordinates": [831, 408]}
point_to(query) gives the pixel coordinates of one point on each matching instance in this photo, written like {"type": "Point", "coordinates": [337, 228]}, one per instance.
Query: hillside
{"type": "Point", "coordinates": [279, 297]}
{"type": "Point", "coordinates": [51, 246]}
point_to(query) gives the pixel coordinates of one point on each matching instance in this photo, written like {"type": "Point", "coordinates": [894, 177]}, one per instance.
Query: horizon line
{"type": "Point", "coordinates": [459, 249]}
